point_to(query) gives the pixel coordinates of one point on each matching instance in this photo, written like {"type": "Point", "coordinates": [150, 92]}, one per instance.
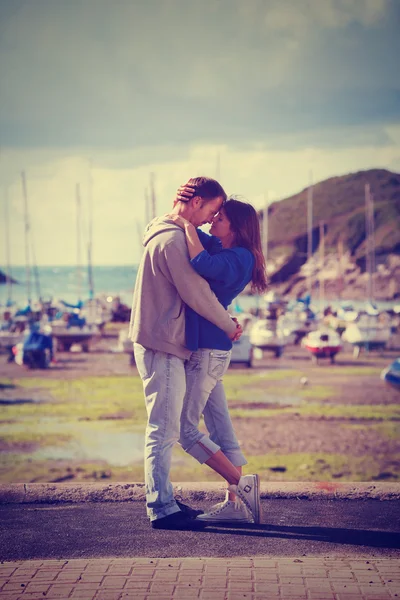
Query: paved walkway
{"type": "Point", "coordinates": [202, 578]}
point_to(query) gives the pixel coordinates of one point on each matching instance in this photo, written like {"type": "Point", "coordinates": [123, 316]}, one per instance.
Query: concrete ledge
{"type": "Point", "coordinates": [196, 491]}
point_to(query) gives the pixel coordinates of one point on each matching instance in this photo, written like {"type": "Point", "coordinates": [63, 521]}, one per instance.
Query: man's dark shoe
{"type": "Point", "coordinates": [177, 520]}
{"type": "Point", "coordinates": [188, 510]}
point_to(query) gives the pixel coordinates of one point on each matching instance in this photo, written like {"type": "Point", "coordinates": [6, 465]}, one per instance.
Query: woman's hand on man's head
{"type": "Point", "coordinates": [185, 192]}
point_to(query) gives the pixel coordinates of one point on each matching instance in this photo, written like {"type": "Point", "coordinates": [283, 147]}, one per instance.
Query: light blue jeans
{"type": "Point", "coordinates": [205, 395]}
{"type": "Point", "coordinates": [163, 377]}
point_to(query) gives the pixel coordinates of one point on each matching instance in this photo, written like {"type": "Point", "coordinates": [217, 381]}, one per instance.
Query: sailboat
{"type": "Point", "coordinates": [368, 331]}
{"type": "Point", "coordinates": [324, 342]}
{"type": "Point", "coordinates": [73, 328]}
{"type": "Point", "coordinates": [11, 329]}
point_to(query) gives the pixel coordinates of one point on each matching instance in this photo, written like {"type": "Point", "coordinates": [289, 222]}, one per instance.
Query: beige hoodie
{"type": "Point", "coordinates": [165, 282]}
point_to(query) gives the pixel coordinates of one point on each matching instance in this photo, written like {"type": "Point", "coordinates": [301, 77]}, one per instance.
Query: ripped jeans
{"type": "Point", "coordinates": [205, 395]}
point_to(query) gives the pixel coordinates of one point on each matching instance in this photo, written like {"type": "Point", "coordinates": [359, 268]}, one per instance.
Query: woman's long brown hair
{"type": "Point", "coordinates": [246, 227]}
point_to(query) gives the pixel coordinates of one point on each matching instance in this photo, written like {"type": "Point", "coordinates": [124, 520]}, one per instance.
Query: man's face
{"type": "Point", "coordinates": [205, 211]}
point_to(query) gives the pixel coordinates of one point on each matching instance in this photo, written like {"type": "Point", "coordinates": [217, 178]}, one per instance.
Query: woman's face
{"type": "Point", "coordinates": [221, 226]}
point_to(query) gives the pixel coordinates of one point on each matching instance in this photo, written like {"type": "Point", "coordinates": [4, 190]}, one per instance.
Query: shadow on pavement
{"type": "Point", "coordinates": [354, 537]}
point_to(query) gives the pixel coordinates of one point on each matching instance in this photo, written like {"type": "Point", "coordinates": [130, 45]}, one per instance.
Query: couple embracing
{"type": "Point", "coordinates": [183, 335]}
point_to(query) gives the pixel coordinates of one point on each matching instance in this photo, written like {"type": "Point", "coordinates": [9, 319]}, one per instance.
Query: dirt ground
{"type": "Point", "coordinates": [350, 383]}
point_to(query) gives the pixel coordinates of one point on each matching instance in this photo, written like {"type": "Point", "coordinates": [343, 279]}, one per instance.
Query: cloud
{"type": "Point", "coordinates": [299, 18]}
{"type": "Point", "coordinates": [83, 74]}
{"type": "Point", "coordinates": [254, 172]}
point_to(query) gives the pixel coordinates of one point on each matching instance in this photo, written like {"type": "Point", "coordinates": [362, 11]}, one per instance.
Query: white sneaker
{"type": "Point", "coordinates": [228, 511]}
{"type": "Point", "coordinates": [248, 490]}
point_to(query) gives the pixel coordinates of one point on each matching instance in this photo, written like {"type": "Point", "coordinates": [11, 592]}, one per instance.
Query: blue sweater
{"type": "Point", "coordinates": [228, 271]}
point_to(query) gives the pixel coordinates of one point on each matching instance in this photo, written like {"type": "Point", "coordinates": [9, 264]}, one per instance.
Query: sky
{"type": "Point", "coordinates": [265, 95]}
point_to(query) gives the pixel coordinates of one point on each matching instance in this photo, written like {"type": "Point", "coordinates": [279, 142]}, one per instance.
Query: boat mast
{"type": "Point", "coordinates": [90, 235]}
{"type": "Point", "coordinates": [339, 282]}
{"type": "Point", "coordinates": [146, 207]}
{"type": "Point", "coordinates": [35, 269]}
{"type": "Point", "coordinates": [309, 232]}
{"type": "Point", "coordinates": [153, 196]}
{"type": "Point", "coordinates": [265, 227]}
{"type": "Point", "coordinates": [218, 167]}
{"type": "Point", "coordinates": [369, 241]}
{"type": "Point", "coordinates": [27, 229]}
{"type": "Point", "coordinates": [7, 239]}
{"type": "Point", "coordinates": [78, 242]}
{"type": "Point", "coordinates": [321, 266]}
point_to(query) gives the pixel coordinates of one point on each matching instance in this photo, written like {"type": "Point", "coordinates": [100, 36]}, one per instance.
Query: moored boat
{"type": "Point", "coordinates": [322, 343]}
{"type": "Point", "coordinates": [391, 375]}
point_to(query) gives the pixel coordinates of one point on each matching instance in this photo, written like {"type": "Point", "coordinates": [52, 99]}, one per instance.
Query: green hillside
{"type": "Point", "coordinates": [340, 203]}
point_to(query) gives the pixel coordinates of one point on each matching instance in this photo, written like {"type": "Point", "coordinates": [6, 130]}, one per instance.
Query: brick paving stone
{"type": "Point", "coordinates": [137, 584]}
{"type": "Point", "coordinates": [318, 584]}
{"type": "Point", "coordinates": [195, 579]}
{"type": "Point", "coordinates": [222, 570]}
{"type": "Point", "coordinates": [265, 576]}
{"type": "Point", "coordinates": [289, 579]}
{"type": "Point", "coordinates": [186, 593]}
{"type": "Point", "coordinates": [142, 572]}
{"type": "Point", "coordinates": [91, 577]}
{"type": "Point", "coordinates": [214, 582]}
{"type": "Point", "coordinates": [45, 575]}
{"type": "Point", "coordinates": [201, 579]}
{"type": "Point", "coordinates": [239, 573]}
{"type": "Point", "coordinates": [111, 581]}
{"type": "Point", "coordinates": [166, 575]}
{"type": "Point", "coordinates": [12, 586]}
{"type": "Point", "coordinates": [37, 587]}
{"type": "Point", "coordinates": [265, 587]}
{"type": "Point", "coordinates": [75, 565]}
{"type": "Point", "coordinates": [107, 595]}
{"type": "Point", "coordinates": [349, 588]}
{"type": "Point", "coordinates": [161, 588]}
{"type": "Point", "coordinates": [6, 571]}
{"type": "Point", "coordinates": [60, 591]}
{"type": "Point", "coordinates": [83, 594]}
{"type": "Point", "coordinates": [119, 570]}
{"type": "Point", "coordinates": [240, 585]}
{"type": "Point", "coordinates": [20, 579]}
{"type": "Point", "coordinates": [294, 591]}
{"type": "Point", "coordinates": [264, 562]}
{"type": "Point", "coordinates": [370, 579]}
{"type": "Point", "coordinates": [334, 574]}
{"type": "Point", "coordinates": [95, 570]}
{"type": "Point", "coordinates": [68, 577]}
{"type": "Point", "coordinates": [212, 595]}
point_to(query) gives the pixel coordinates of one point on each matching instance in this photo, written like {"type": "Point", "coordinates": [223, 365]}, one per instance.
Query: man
{"type": "Point", "coordinates": [165, 283]}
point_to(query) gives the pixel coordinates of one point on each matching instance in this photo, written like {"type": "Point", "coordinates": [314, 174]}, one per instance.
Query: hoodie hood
{"type": "Point", "coordinates": [159, 225]}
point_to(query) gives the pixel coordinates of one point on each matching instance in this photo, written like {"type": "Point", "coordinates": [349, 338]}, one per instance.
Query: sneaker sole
{"type": "Point", "coordinates": [257, 513]}
{"type": "Point", "coordinates": [233, 521]}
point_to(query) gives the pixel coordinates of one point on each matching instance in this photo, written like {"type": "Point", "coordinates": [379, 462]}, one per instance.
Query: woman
{"type": "Point", "coordinates": [229, 259]}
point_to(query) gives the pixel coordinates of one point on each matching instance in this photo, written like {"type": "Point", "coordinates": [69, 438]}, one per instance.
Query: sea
{"type": "Point", "coordinates": [71, 284]}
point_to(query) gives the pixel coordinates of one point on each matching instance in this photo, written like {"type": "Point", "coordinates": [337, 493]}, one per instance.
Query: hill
{"type": "Point", "coordinates": [338, 202]}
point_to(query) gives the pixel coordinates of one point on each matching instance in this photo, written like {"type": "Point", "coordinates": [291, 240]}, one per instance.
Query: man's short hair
{"type": "Point", "coordinates": [207, 188]}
